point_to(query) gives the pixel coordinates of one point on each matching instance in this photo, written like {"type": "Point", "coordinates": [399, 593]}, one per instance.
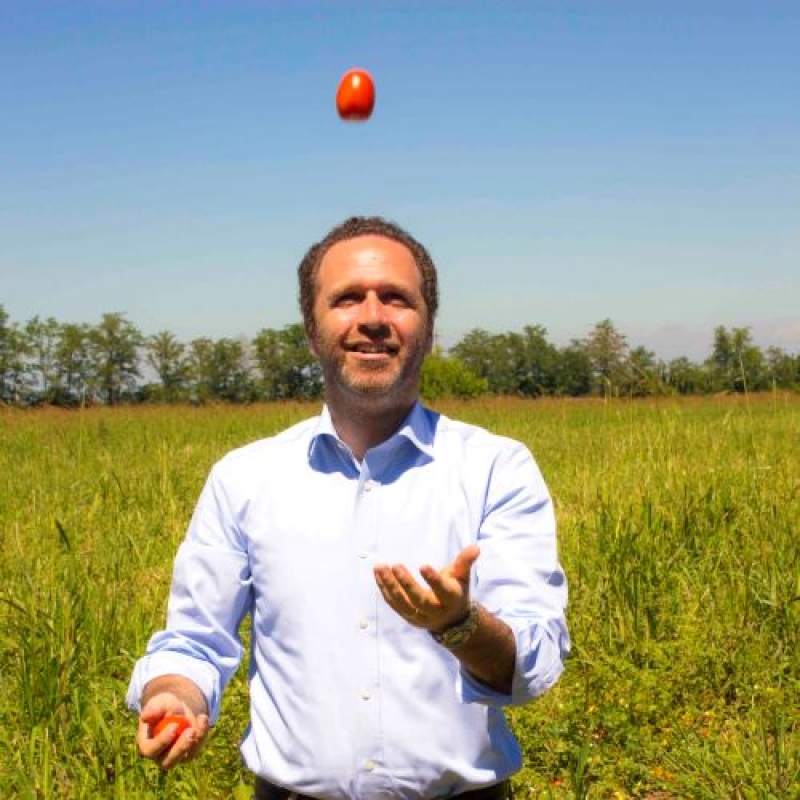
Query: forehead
{"type": "Point", "coordinates": [368, 259]}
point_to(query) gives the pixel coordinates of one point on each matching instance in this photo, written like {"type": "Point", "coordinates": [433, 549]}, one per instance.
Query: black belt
{"type": "Point", "coordinates": [268, 791]}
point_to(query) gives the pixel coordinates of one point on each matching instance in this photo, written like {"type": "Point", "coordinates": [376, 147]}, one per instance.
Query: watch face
{"type": "Point", "coordinates": [459, 635]}
{"type": "Point", "coordinates": [457, 638]}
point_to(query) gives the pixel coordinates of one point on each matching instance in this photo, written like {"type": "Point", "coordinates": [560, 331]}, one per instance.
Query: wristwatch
{"type": "Point", "coordinates": [461, 633]}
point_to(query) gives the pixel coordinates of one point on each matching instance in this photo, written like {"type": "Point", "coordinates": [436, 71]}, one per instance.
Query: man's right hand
{"type": "Point", "coordinates": [180, 700]}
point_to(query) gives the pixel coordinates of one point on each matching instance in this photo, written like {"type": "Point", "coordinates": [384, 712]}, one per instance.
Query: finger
{"type": "Point", "coordinates": [144, 741]}
{"type": "Point", "coordinates": [157, 707]}
{"type": "Point", "coordinates": [156, 745]}
{"type": "Point", "coordinates": [184, 748]}
{"type": "Point", "coordinates": [202, 724]}
{"type": "Point", "coordinates": [392, 590]}
{"type": "Point", "coordinates": [455, 577]}
{"type": "Point", "coordinates": [462, 565]}
{"type": "Point", "coordinates": [160, 705]}
{"type": "Point", "coordinates": [450, 586]}
{"type": "Point", "coordinates": [422, 600]}
{"type": "Point", "coordinates": [401, 598]}
{"type": "Point", "coordinates": [151, 746]}
{"type": "Point", "coordinates": [444, 587]}
{"type": "Point", "coordinates": [413, 589]}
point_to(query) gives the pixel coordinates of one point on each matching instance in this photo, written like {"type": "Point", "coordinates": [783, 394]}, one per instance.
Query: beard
{"type": "Point", "coordinates": [387, 380]}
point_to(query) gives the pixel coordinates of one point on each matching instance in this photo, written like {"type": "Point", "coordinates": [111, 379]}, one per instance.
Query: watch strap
{"type": "Point", "coordinates": [461, 633]}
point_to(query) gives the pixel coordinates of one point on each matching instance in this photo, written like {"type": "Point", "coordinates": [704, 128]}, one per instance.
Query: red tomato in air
{"type": "Point", "coordinates": [172, 719]}
{"type": "Point", "coordinates": [355, 98]}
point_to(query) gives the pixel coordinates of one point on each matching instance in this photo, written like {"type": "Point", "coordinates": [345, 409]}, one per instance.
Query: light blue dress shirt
{"type": "Point", "coordinates": [347, 699]}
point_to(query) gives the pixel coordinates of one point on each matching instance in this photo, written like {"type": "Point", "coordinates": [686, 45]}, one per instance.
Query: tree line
{"type": "Point", "coordinates": [47, 362]}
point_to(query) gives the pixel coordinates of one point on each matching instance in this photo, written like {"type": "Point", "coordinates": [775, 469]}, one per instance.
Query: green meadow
{"type": "Point", "coordinates": [678, 529]}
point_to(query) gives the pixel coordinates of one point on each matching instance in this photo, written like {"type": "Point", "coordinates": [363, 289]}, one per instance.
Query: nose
{"type": "Point", "coordinates": [371, 308]}
{"type": "Point", "coordinates": [372, 312]}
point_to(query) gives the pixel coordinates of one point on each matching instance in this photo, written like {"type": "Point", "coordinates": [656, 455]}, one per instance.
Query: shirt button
{"type": "Point", "coordinates": [370, 485]}
{"type": "Point", "coordinates": [362, 624]}
{"type": "Point", "coordinates": [365, 695]}
{"type": "Point", "coordinates": [369, 765]}
{"type": "Point", "coordinates": [363, 554]}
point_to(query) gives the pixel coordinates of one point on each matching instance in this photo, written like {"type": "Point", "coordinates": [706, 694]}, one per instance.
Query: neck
{"type": "Point", "coordinates": [362, 426]}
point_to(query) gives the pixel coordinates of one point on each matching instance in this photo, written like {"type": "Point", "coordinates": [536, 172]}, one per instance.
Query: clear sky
{"type": "Point", "coordinates": [564, 162]}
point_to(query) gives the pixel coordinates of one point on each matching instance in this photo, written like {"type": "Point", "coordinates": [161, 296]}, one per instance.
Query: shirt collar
{"type": "Point", "coordinates": [419, 428]}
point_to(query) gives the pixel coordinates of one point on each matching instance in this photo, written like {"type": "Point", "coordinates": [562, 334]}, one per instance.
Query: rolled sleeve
{"type": "Point", "coordinates": [160, 663]}
{"type": "Point", "coordinates": [209, 596]}
{"type": "Point", "coordinates": [541, 651]}
{"type": "Point", "coordinates": [520, 580]}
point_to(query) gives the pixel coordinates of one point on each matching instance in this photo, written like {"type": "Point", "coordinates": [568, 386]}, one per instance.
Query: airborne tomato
{"type": "Point", "coordinates": [355, 97]}
{"type": "Point", "coordinates": [172, 719]}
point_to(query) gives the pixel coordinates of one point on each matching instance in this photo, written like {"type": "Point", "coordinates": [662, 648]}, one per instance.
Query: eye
{"type": "Point", "coordinates": [396, 299]}
{"type": "Point", "coordinates": [346, 299]}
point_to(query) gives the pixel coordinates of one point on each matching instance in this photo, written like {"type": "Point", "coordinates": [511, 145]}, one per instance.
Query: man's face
{"type": "Point", "coordinates": [371, 328]}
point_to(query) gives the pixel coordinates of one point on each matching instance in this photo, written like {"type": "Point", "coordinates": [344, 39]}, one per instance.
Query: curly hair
{"type": "Point", "coordinates": [351, 229]}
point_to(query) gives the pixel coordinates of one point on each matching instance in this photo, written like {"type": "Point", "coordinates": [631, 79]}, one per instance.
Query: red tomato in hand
{"type": "Point", "coordinates": [172, 719]}
{"type": "Point", "coordinates": [355, 98]}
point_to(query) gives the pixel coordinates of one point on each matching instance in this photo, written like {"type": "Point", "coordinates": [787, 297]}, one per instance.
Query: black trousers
{"type": "Point", "coordinates": [268, 791]}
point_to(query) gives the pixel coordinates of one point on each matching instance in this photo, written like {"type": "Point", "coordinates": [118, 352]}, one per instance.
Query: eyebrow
{"type": "Point", "coordinates": [383, 288]}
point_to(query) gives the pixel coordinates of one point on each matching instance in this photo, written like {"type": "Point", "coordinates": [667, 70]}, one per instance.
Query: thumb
{"type": "Point", "coordinates": [161, 704]}
{"type": "Point", "coordinates": [462, 565]}
{"type": "Point", "coordinates": [154, 710]}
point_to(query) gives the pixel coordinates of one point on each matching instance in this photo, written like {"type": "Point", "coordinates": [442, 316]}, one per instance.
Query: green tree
{"type": "Point", "coordinates": [13, 386]}
{"type": "Point", "coordinates": [115, 348]}
{"type": "Point", "coordinates": [285, 365]}
{"type": "Point", "coordinates": [41, 344]}
{"type": "Point", "coordinates": [644, 373]}
{"type": "Point", "coordinates": [219, 370]}
{"type": "Point", "coordinates": [510, 363]}
{"type": "Point", "coordinates": [476, 352]}
{"type": "Point", "coordinates": [166, 355]}
{"type": "Point", "coordinates": [782, 370]}
{"type": "Point", "coordinates": [507, 367]}
{"type": "Point", "coordinates": [573, 369]}
{"type": "Point", "coordinates": [607, 351]}
{"type": "Point", "coordinates": [201, 369]}
{"type": "Point", "coordinates": [750, 361]}
{"type": "Point", "coordinates": [736, 364]}
{"type": "Point", "coordinates": [538, 373]}
{"type": "Point", "coordinates": [444, 376]}
{"type": "Point", "coordinates": [685, 377]}
{"type": "Point", "coordinates": [75, 366]}
{"type": "Point", "coordinates": [232, 381]}
{"type": "Point", "coordinates": [721, 363]}
{"type": "Point", "coordinates": [574, 375]}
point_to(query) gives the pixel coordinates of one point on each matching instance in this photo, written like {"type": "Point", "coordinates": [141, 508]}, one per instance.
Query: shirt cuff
{"type": "Point", "coordinates": [541, 648]}
{"type": "Point", "coordinates": [164, 663]}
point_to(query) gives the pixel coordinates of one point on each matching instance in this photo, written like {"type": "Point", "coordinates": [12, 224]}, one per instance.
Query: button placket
{"type": "Point", "coordinates": [365, 545]}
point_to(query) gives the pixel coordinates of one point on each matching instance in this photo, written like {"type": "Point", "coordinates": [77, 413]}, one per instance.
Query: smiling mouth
{"type": "Point", "coordinates": [372, 350]}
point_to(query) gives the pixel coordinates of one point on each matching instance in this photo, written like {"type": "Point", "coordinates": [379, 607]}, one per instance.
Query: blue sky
{"type": "Point", "coordinates": [564, 162]}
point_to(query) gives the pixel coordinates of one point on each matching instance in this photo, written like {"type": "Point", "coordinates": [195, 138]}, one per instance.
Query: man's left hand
{"type": "Point", "coordinates": [444, 604]}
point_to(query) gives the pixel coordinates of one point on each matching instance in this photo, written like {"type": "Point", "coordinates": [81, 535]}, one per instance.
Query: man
{"type": "Point", "coordinates": [400, 568]}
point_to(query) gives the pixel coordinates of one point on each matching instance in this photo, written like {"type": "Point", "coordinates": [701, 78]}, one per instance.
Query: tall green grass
{"type": "Point", "coordinates": [678, 530]}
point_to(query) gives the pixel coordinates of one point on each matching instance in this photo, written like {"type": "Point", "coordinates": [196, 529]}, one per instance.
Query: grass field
{"type": "Point", "coordinates": [679, 525]}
